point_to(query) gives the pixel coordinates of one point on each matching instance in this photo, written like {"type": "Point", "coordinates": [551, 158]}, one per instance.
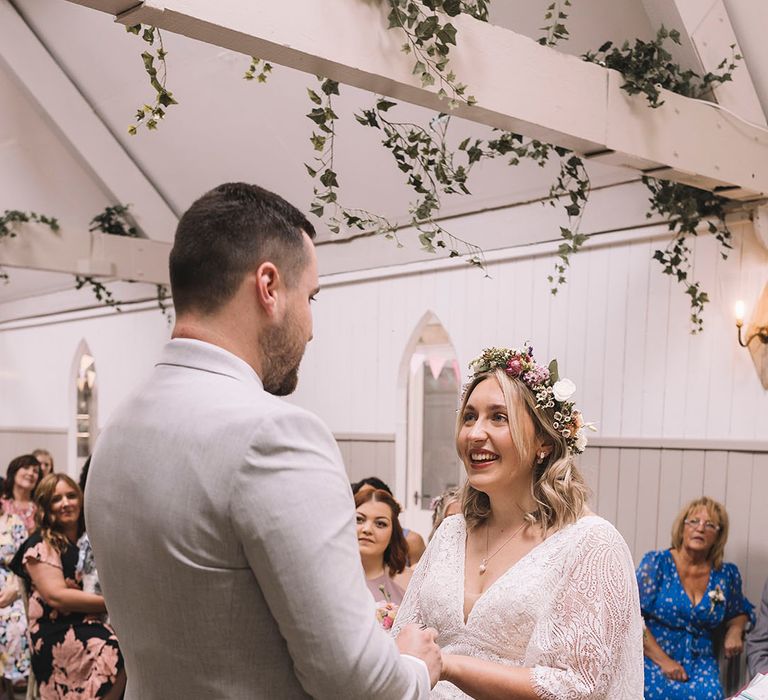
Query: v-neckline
{"type": "Point", "coordinates": [463, 567]}
{"type": "Point", "coordinates": [682, 587]}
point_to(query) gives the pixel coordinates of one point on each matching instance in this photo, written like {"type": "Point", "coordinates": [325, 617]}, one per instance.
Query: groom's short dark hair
{"type": "Point", "coordinates": [228, 231]}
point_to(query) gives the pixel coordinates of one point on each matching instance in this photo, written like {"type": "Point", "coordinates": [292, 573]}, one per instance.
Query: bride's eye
{"type": "Point", "coordinates": [500, 417]}
{"type": "Point", "coordinates": [468, 417]}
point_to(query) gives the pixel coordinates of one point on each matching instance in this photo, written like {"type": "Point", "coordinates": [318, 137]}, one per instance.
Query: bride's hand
{"type": "Point", "coordinates": [447, 671]}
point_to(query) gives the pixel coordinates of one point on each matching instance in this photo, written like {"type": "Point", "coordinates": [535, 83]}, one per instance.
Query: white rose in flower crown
{"type": "Point", "coordinates": [581, 441]}
{"type": "Point", "coordinates": [563, 389]}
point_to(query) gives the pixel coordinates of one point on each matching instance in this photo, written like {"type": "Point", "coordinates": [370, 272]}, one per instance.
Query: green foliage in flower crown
{"type": "Point", "coordinates": [151, 114]}
{"type": "Point", "coordinates": [647, 66]}
{"type": "Point", "coordinates": [686, 208]}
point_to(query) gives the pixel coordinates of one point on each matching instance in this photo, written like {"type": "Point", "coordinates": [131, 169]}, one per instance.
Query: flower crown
{"type": "Point", "coordinates": [551, 393]}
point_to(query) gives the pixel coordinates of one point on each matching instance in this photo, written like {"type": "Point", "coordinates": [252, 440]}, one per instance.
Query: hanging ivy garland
{"type": "Point", "coordinates": [433, 169]}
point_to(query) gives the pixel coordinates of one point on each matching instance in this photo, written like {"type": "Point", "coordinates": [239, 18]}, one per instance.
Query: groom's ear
{"type": "Point", "coordinates": [268, 287]}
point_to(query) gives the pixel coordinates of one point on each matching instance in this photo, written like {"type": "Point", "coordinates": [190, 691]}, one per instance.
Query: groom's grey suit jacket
{"type": "Point", "coordinates": [222, 523]}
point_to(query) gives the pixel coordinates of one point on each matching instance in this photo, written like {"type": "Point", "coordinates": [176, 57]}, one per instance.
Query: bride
{"type": "Point", "coordinates": [532, 595]}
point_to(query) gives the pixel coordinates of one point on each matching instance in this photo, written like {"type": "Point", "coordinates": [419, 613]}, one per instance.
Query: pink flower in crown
{"type": "Point", "coordinates": [514, 366]}
{"type": "Point", "coordinates": [535, 376]}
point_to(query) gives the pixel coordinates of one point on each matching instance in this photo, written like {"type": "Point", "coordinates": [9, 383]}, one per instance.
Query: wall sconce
{"type": "Point", "coordinates": [761, 332]}
{"type": "Point", "coordinates": [756, 330]}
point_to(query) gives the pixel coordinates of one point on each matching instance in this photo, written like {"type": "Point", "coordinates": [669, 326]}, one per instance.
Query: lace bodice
{"type": "Point", "coordinates": [568, 609]}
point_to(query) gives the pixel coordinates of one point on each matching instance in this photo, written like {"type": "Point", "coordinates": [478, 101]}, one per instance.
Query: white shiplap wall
{"type": "Point", "coordinates": [620, 330]}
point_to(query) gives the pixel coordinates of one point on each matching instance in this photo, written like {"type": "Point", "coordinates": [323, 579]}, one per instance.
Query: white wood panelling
{"type": "Point", "coordinates": [620, 329]}
{"type": "Point", "coordinates": [641, 491]}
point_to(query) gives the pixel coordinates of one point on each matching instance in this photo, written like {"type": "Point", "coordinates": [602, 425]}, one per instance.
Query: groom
{"type": "Point", "coordinates": [220, 516]}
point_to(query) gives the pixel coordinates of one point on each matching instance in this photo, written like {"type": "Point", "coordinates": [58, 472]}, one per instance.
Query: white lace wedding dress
{"type": "Point", "coordinates": [569, 610]}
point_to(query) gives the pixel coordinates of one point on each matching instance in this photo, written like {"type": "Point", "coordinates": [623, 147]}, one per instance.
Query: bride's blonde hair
{"type": "Point", "coordinates": [557, 485]}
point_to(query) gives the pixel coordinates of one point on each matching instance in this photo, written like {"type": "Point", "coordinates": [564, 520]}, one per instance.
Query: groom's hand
{"type": "Point", "coordinates": [415, 641]}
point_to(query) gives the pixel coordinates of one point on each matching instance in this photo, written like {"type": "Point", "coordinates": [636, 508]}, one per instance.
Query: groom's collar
{"type": "Point", "coordinates": [197, 354]}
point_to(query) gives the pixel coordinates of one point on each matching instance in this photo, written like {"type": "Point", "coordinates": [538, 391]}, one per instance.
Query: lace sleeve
{"type": "Point", "coordinates": [591, 641]}
{"type": "Point", "coordinates": [410, 610]}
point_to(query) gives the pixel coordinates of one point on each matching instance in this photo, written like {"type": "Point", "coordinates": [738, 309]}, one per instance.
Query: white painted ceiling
{"type": "Point", "coordinates": [226, 128]}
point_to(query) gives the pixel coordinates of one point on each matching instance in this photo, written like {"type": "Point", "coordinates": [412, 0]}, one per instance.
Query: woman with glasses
{"type": "Point", "coordinates": [687, 593]}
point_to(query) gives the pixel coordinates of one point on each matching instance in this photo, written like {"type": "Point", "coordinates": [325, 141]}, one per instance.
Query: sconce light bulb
{"type": "Point", "coordinates": [739, 310]}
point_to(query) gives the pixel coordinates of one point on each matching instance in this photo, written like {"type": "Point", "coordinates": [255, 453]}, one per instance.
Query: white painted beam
{"type": "Point", "coordinates": [520, 86]}
{"type": "Point", "coordinates": [75, 121]}
{"type": "Point", "coordinates": [707, 36]}
{"type": "Point", "coordinates": [91, 254]}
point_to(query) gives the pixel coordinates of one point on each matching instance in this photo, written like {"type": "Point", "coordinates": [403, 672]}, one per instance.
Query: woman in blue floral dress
{"type": "Point", "coordinates": [687, 593]}
{"type": "Point", "coordinates": [13, 622]}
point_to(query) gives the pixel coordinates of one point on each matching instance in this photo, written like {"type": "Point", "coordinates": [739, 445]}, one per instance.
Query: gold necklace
{"type": "Point", "coordinates": [484, 562]}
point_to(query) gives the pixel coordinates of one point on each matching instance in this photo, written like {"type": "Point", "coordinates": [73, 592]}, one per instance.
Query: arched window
{"type": "Point", "coordinates": [85, 404]}
{"type": "Point", "coordinates": [433, 386]}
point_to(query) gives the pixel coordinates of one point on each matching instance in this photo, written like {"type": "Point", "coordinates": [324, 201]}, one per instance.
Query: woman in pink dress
{"type": "Point", "coordinates": [74, 653]}
{"type": "Point", "coordinates": [20, 481]}
{"type": "Point", "coordinates": [383, 550]}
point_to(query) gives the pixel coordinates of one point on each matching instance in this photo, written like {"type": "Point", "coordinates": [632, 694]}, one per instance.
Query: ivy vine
{"type": "Point", "coordinates": [686, 209]}
{"type": "Point", "coordinates": [647, 67]}
{"type": "Point", "coordinates": [556, 29]}
{"type": "Point", "coordinates": [10, 220]}
{"type": "Point", "coordinates": [150, 115]}
{"type": "Point", "coordinates": [429, 38]}
{"type": "Point", "coordinates": [259, 70]}
{"type": "Point", "coordinates": [433, 170]}
{"type": "Point", "coordinates": [114, 220]}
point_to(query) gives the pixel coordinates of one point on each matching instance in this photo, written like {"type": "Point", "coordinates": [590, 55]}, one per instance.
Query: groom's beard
{"type": "Point", "coordinates": [282, 348]}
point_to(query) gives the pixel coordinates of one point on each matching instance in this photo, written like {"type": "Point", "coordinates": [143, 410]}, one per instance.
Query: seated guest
{"type": "Point", "coordinates": [14, 647]}
{"type": "Point", "coordinates": [446, 504]}
{"type": "Point", "coordinates": [687, 593]}
{"type": "Point", "coordinates": [414, 540]}
{"type": "Point", "coordinates": [20, 481]}
{"type": "Point", "coordinates": [757, 640]}
{"type": "Point", "coordinates": [46, 461]}
{"type": "Point", "coordinates": [382, 549]}
{"type": "Point", "coordinates": [74, 654]}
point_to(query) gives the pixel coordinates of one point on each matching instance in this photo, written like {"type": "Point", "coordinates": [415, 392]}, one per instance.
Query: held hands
{"type": "Point", "coordinates": [733, 644]}
{"type": "Point", "coordinates": [673, 670]}
{"type": "Point", "coordinates": [418, 642]}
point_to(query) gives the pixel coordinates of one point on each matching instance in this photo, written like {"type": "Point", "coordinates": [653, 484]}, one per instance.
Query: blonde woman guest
{"type": "Point", "coordinates": [531, 594]}
{"type": "Point", "coordinates": [686, 593]}
{"type": "Point", "coordinates": [20, 482]}
{"type": "Point", "coordinates": [46, 461]}
{"type": "Point", "coordinates": [446, 504]}
{"type": "Point", "coordinates": [74, 654]}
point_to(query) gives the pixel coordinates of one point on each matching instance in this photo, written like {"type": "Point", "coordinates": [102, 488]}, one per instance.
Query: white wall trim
{"type": "Point", "coordinates": [32, 429]}
{"type": "Point", "coordinates": [364, 437]}
{"type": "Point", "coordinates": [652, 443]}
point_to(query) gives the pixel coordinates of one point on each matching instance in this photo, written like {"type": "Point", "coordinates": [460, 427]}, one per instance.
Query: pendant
{"type": "Point", "coordinates": [483, 567]}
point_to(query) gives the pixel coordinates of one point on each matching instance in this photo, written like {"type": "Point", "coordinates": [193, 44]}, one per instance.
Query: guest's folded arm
{"type": "Point", "coordinates": [50, 583]}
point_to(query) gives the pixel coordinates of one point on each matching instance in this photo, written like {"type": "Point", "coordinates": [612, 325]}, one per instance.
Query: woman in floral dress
{"type": "Point", "coordinates": [74, 654]}
{"type": "Point", "coordinates": [686, 594]}
{"type": "Point", "coordinates": [13, 621]}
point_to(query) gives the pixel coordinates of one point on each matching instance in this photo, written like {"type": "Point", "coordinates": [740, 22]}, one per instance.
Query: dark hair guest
{"type": "Point", "coordinates": [20, 482]}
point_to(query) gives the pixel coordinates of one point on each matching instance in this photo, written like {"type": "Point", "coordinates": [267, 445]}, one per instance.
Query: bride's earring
{"type": "Point", "coordinates": [541, 457]}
